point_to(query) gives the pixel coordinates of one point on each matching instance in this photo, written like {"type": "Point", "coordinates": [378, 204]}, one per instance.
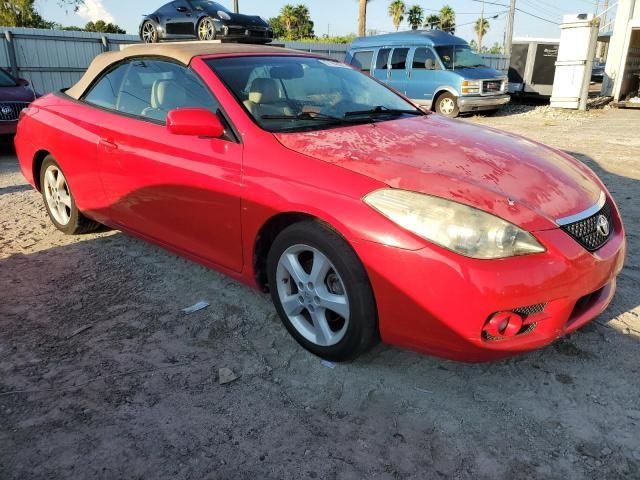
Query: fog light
{"type": "Point", "coordinates": [503, 324]}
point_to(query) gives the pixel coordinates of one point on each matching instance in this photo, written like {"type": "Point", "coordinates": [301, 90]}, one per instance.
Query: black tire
{"type": "Point", "coordinates": [445, 98]}
{"type": "Point", "coordinates": [78, 224]}
{"type": "Point", "coordinates": [362, 329]}
{"type": "Point", "coordinates": [200, 35]}
{"type": "Point", "coordinates": [151, 28]}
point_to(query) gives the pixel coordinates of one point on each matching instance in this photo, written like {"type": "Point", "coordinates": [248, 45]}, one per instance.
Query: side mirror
{"type": "Point", "coordinates": [22, 82]}
{"type": "Point", "coordinates": [196, 122]}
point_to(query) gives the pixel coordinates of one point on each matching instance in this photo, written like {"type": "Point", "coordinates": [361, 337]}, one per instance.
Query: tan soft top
{"type": "Point", "coordinates": [183, 52]}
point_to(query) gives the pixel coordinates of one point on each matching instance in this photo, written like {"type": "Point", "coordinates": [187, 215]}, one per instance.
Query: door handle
{"type": "Point", "coordinates": [108, 145]}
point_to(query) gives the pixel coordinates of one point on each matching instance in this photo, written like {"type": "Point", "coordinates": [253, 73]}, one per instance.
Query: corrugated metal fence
{"type": "Point", "coordinates": [55, 59]}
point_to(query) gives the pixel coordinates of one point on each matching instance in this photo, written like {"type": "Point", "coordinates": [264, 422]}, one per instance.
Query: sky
{"type": "Point", "coordinates": [339, 17]}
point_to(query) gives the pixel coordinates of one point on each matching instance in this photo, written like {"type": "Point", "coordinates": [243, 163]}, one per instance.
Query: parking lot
{"type": "Point", "coordinates": [103, 376]}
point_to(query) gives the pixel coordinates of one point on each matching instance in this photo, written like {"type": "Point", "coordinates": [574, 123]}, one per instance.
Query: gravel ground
{"type": "Point", "coordinates": [102, 375]}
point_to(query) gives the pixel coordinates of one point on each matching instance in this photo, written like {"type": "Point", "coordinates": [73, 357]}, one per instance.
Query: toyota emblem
{"type": "Point", "coordinates": [6, 110]}
{"type": "Point", "coordinates": [603, 226]}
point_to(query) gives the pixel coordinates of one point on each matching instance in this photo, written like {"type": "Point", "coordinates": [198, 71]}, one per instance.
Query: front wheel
{"type": "Point", "coordinates": [447, 104]}
{"type": "Point", "coordinates": [206, 29]}
{"type": "Point", "coordinates": [59, 201]}
{"type": "Point", "coordinates": [321, 292]}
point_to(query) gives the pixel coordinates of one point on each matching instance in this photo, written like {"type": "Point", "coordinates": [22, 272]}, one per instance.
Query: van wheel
{"type": "Point", "coordinates": [447, 104]}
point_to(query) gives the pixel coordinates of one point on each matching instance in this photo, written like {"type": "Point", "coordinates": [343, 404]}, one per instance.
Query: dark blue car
{"type": "Point", "coordinates": [202, 20]}
{"type": "Point", "coordinates": [434, 69]}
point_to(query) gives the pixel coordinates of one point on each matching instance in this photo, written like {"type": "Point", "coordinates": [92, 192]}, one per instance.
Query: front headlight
{"type": "Point", "coordinates": [223, 15]}
{"type": "Point", "coordinates": [471, 87]}
{"type": "Point", "coordinates": [457, 227]}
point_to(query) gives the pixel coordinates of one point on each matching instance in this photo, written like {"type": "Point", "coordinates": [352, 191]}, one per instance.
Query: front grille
{"type": "Point", "coordinates": [10, 111]}
{"type": "Point", "coordinates": [530, 310]}
{"type": "Point", "coordinates": [586, 231]}
{"type": "Point", "coordinates": [492, 86]}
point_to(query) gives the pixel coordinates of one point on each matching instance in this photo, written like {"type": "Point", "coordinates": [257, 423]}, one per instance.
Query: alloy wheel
{"type": "Point", "coordinates": [149, 33]}
{"type": "Point", "coordinates": [207, 30]}
{"type": "Point", "coordinates": [58, 195]}
{"type": "Point", "coordinates": [313, 295]}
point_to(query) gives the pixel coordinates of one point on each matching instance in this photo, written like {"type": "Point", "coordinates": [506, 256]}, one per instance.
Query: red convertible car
{"type": "Point", "coordinates": [364, 216]}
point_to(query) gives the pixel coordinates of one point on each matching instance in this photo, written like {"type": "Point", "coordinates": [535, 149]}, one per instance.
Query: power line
{"type": "Point", "coordinates": [522, 11]}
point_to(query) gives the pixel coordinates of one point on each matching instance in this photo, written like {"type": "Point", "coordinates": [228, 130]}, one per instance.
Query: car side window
{"type": "Point", "coordinates": [104, 93]}
{"type": "Point", "coordinates": [425, 59]}
{"type": "Point", "coordinates": [399, 58]}
{"type": "Point", "coordinates": [150, 89]}
{"type": "Point", "coordinates": [383, 59]}
{"type": "Point", "coordinates": [362, 60]}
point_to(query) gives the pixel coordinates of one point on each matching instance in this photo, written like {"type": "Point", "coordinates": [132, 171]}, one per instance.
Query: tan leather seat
{"type": "Point", "coordinates": [166, 95]}
{"type": "Point", "coordinates": [265, 99]}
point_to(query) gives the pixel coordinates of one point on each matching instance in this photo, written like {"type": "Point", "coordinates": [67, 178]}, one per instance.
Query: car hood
{"type": "Point", "coordinates": [482, 73]}
{"type": "Point", "coordinates": [522, 181]}
{"type": "Point", "coordinates": [16, 94]}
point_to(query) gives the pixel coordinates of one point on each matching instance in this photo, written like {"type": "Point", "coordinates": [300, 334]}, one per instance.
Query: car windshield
{"type": "Point", "coordinates": [459, 56]}
{"type": "Point", "coordinates": [6, 80]}
{"type": "Point", "coordinates": [202, 5]}
{"type": "Point", "coordinates": [296, 93]}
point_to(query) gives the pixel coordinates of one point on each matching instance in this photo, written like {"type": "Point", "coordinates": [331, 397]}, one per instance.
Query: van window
{"type": "Point", "coordinates": [383, 59]}
{"type": "Point", "coordinates": [425, 59]}
{"type": "Point", "coordinates": [362, 60]}
{"type": "Point", "coordinates": [459, 56]}
{"type": "Point", "coordinates": [399, 58]}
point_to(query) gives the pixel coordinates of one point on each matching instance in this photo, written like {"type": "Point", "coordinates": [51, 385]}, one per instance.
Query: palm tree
{"type": "Point", "coordinates": [415, 16]}
{"type": "Point", "coordinates": [432, 22]}
{"type": "Point", "coordinates": [448, 19]}
{"type": "Point", "coordinates": [481, 28]}
{"type": "Point", "coordinates": [362, 18]}
{"type": "Point", "coordinates": [397, 10]}
{"type": "Point", "coordinates": [288, 16]}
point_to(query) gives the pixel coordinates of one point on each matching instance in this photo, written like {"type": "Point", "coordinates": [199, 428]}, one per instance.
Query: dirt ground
{"type": "Point", "coordinates": [102, 375]}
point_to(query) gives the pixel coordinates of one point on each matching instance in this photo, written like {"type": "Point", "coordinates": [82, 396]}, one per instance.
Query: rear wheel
{"type": "Point", "coordinates": [206, 29]}
{"type": "Point", "coordinates": [322, 292]}
{"type": "Point", "coordinates": [149, 32]}
{"type": "Point", "coordinates": [59, 201]}
{"type": "Point", "coordinates": [447, 104]}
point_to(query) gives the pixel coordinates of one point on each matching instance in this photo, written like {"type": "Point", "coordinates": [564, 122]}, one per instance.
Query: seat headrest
{"type": "Point", "coordinates": [167, 95]}
{"type": "Point", "coordinates": [264, 91]}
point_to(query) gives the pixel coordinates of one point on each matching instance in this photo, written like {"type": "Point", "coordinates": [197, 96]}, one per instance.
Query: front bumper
{"type": "Point", "coordinates": [247, 33]}
{"type": "Point", "coordinates": [8, 128]}
{"type": "Point", "coordinates": [437, 302]}
{"type": "Point", "coordinates": [477, 103]}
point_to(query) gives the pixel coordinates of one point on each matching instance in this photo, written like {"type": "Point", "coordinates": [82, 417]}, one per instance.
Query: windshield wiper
{"type": "Point", "coordinates": [306, 116]}
{"type": "Point", "coordinates": [382, 110]}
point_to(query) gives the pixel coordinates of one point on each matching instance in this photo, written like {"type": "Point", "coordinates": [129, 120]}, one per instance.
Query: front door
{"type": "Point", "coordinates": [180, 20]}
{"type": "Point", "coordinates": [425, 76]}
{"type": "Point", "coordinates": [181, 191]}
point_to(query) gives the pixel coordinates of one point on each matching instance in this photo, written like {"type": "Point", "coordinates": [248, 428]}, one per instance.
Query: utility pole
{"type": "Point", "coordinates": [236, 7]}
{"type": "Point", "coordinates": [605, 14]}
{"type": "Point", "coordinates": [481, 30]}
{"type": "Point", "coordinates": [508, 41]}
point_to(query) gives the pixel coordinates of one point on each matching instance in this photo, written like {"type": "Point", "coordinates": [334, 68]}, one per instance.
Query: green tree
{"type": "Point", "coordinates": [496, 49]}
{"type": "Point", "coordinates": [23, 13]}
{"type": "Point", "coordinates": [432, 22]}
{"type": "Point", "coordinates": [103, 27]}
{"type": "Point", "coordinates": [362, 17]}
{"type": "Point", "coordinates": [397, 10]}
{"type": "Point", "coordinates": [415, 16]}
{"type": "Point", "coordinates": [447, 19]}
{"type": "Point", "coordinates": [279, 30]}
{"type": "Point", "coordinates": [294, 23]}
{"type": "Point", "coordinates": [481, 27]}
{"type": "Point", "coordinates": [303, 27]}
